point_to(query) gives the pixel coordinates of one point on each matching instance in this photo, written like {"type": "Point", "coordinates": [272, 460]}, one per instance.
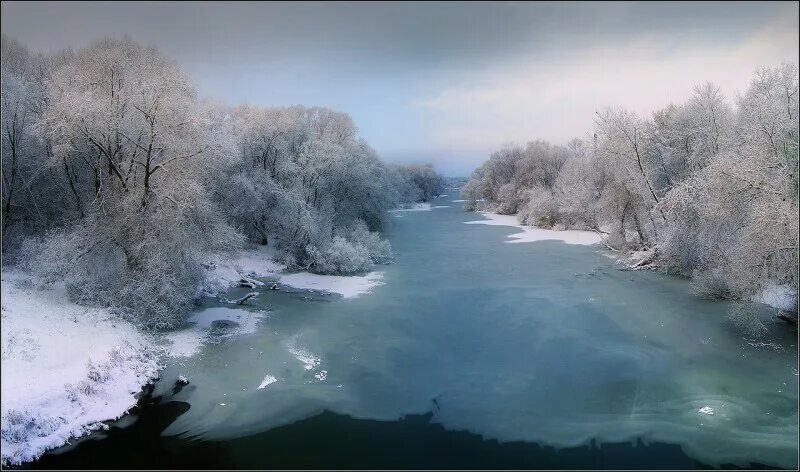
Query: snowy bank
{"type": "Point", "coordinates": [531, 233]}
{"type": "Point", "coordinates": [65, 368]}
{"type": "Point", "coordinates": [778, 296]}
{"type": "Point", "coordinates": [259, 261]}
{"type": "Point", "coordinates": [346, 285]}
{"type": "Point", "coordinates": [414, 207]}
{"type": "Point", "coordinates": [225, 271]}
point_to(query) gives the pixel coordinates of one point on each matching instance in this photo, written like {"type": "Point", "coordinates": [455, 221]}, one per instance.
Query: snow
{"type": "Point", "coordinates": [268, 379]}
{"type": "Point", "coordinates": [347, 285]}
{"type": "Point", "coordinates": [187, 342]}
{"type": "Point", "coordinates": [244, 321]}
{"type": "Point", "coordinates": [441, 206]}
{"type": "Point", "coordinates": [532, 233]}
{"type": "Point", "coordinates": [778, 296]}
{"type": "Point", "coordinates": [308, 359]}
{"type": "Point", "coordinates": [259, 262]}
{"type": "Point", "coordinates": [225, 271]}
{"type": "Point", "coordinates": [414, 207]}
{"type": "Point", "coordinates": [65, 368]}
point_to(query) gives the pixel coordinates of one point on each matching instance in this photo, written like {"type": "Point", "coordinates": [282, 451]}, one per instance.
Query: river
{"type": "Point", "coordinates": [474, 353]}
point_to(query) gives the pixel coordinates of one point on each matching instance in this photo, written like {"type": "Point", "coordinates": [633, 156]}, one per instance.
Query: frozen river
{"type": "Point", "coordinates": [498, 351]}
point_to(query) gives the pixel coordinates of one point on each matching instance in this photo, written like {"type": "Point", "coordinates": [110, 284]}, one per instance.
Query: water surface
{"type": "Point", "coordinates": [540, 355]}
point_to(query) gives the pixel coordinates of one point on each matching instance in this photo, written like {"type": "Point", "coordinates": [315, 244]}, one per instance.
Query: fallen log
{"type": "Point", "coordinates": [238, 301]}
{"type": "Point", "coordinates": [249, 283]}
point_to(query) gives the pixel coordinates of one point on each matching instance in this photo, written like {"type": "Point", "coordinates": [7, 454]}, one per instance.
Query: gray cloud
{"type": "Point", "coordinates": [379, 61]}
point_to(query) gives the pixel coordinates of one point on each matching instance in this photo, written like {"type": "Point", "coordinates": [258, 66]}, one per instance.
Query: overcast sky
{"type": "Point", "coordinates": [441, 82]}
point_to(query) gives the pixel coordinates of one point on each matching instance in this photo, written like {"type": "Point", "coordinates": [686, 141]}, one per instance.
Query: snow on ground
{"type": "Point", "coordinates": [778, 296]}
{"type": "Point", "coordinates": [185, 342]}
{"type": "Point", "coordinates": [224, 271]}
{"type": "Point", "coordinates": [65, 368]}
{"type": "Point", "coordinates": [531, 233]}
{"type": "Point", "coordinates": [347, 285]}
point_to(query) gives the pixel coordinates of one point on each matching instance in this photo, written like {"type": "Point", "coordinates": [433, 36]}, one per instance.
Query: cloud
{"type": "Point", "coordinates": [555, 98]}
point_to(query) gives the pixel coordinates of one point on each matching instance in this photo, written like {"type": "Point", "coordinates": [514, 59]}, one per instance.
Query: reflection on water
{"type": "Point", "coordinates": [329, 440]}
{"type": "Point", "coordinates": [540, 342]}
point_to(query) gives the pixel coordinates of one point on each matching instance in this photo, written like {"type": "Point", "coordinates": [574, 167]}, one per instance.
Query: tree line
{"type": "Point", "coordinates": [119, 180]}
{"type": "Point", "coordinates": [708, 187]}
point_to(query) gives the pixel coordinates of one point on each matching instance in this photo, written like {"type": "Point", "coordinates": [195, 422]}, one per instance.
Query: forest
{"type": "Point", "coordinates": [118, 179]}
{"type": "Point", "coordinates": [706, 189]}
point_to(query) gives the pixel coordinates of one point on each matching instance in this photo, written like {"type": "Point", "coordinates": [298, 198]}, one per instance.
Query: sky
{"type": "Point", "coordinates": [441, 82]}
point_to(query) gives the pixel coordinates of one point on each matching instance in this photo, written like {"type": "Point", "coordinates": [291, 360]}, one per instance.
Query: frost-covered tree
{"type": "Point", "coordinates": [301, 179]}
{"type": "Point", "coordinates": [128, 125]}
{"type": "Point", "coordinates": [710, 187]}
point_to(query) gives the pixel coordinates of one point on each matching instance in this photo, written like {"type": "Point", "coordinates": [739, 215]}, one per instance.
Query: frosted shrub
{"type": "Point", "coordinates": [340, 257]}
{"type": "Point", "coordinates": [540, 209]}
{"type": "Point", "coordinates": [508, 201]}
{"type": "Point", "coordinates": [711, 283]}
{"type": "Point", "coordinates": [354, 249]}
{"type": "Point", "coordinates": [378, 250]}
{"type": "Point", "coordinates": [144, 264]}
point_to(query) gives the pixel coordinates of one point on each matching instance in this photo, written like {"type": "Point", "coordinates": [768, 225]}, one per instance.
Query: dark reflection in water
{"type": "Point", "coordinates": [332, 441]}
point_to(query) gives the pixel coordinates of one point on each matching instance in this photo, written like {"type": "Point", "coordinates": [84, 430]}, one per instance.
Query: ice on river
{"type": "Point", "coordinates": [531, 233]}
{"type": "Point", "coordinates": [348, 286]}
{"type": "Point", "coordinates": [546, 343]}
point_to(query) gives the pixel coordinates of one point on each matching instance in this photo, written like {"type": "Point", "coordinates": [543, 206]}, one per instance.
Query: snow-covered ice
{"type": "Point", "coordinates": [65, 368]}
{"type": "Point", "coordinates": [188, 341]}
{"type": "Point", "coordinates": [347, 285]}
{"type": "Point", "coordinates": [308, 359]}
{"type": "Point", "coordinates": [415, 207]}
{"type": "Point", "coordinates": [531, 233]}
{"type": "Point", "coordinates": [268, 379]}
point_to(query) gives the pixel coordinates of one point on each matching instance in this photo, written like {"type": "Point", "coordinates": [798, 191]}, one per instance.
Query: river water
{"type": "Point", "coordinates": [475, 353]}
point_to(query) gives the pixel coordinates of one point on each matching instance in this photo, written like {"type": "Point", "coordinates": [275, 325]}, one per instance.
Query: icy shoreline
{"type": "Point", "coordinates": [259, 262]}
{"type": "Point", "coordinates": [532, 233]}
{"type": "Point", "coordinates": [67, 369]}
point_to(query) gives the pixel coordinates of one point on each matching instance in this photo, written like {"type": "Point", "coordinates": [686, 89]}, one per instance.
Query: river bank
{"type": "Point", "coordinates": [68, 369]}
